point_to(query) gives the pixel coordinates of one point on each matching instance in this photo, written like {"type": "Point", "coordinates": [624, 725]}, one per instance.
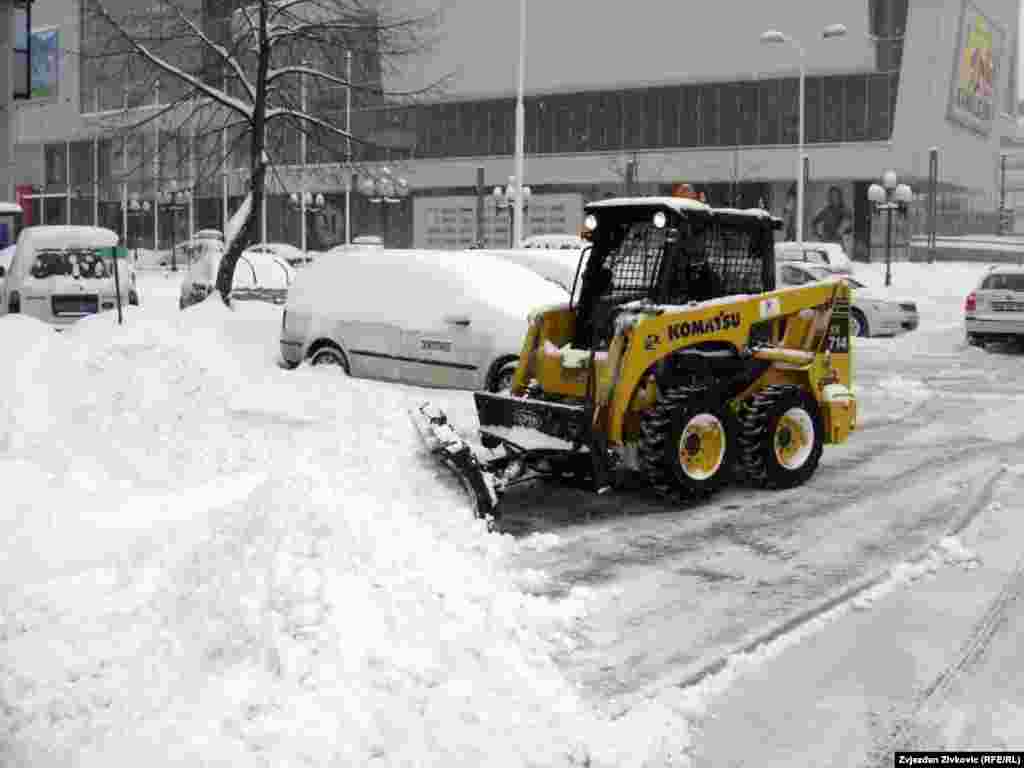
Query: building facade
{"type": "Point", "coordinates": [619, 98]}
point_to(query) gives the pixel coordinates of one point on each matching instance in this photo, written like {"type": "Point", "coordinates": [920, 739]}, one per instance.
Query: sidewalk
{"type": "Point", "coordinates": [934, 664]}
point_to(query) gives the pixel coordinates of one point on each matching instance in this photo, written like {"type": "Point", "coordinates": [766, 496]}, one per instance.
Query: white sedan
{"type": "Point", "coordinates": [871, 314]}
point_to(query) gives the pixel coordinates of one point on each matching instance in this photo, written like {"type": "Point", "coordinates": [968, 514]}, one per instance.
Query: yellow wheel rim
{"type": "Point", "coordinates": [702, 447]}
{"type": "Point", "coordinates": [794, 438]}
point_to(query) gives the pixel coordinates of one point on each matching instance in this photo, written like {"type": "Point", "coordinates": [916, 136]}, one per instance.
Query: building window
{"type": "Point", "coordinates": [23, 51]}
{"type": "Point", "coordinates": [44, 58]}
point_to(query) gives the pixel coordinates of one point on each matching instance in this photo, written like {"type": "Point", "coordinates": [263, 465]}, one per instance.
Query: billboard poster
{"type": "Point", "coordinates": [45, 58]}
{"type": "Point", "coordinates": [976, 70]}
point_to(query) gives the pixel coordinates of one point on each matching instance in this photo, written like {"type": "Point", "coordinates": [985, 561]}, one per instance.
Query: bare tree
{"type": "Point", "coordinates": [256, 79]}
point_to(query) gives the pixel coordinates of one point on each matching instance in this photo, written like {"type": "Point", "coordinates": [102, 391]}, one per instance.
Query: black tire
{"type": "Point", "coordinates": [767, 425]}
{"type": "Point", "coordinates": [859, 324]}
{"type": "Point", "coordinates": [328, 354]}
{"type": "Point", "coordinates": [687, 443]}
{"type": "Point", "coordinates": [500, 379]}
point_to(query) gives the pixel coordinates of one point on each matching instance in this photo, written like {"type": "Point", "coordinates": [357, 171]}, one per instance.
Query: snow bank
{"type": "Point", "coordinates": [213, 561]}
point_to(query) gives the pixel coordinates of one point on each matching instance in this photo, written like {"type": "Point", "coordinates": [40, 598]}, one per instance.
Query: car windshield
{"type": "Point", "coordinates": [74, 262]}
{"type": "Point", "coordinates": [1004, 282]}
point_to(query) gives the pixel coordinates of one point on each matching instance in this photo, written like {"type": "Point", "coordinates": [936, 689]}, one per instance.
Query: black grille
{"type": "Point", "coordinates": [78, 304]}
{"type": "Point", "coordinates": [635, 265]}
{"type": "Point", "coordinates": [736, 265]}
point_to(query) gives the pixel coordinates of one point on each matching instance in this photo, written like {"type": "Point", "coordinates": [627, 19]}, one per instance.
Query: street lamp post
{"type": "Point", "coordinates": [306, 203]}
{"type": "Point", "coordinates": [520, 161]}
{"type": "Point", "coordinates": [774, 36]}
{"type": "Point", "coordinates": [174, 200]}
{"type": "Point", "coordinates": [887, 197]}
{"type": "Point", "coordinates": [137, 210]}
{"type": "Point", "coordinates": [384, 189]}
{"type": "Point", "coordinates": [517, 202]}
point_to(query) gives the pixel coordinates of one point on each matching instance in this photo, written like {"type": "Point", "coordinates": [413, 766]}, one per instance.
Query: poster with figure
{"type": "Point", "coordinates": [45, 60]}
{"type": "Point", "coordinates": [831, 213]}
{"type": "Point", "coordinates": [976, 70]}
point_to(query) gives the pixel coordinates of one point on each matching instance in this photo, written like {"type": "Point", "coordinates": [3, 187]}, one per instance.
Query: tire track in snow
{"type": "Point", "coordinates": [974, 647]}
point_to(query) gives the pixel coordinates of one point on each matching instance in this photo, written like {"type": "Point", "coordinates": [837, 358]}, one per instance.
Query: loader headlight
{"type": "Point", "coordinates": [590, 222]}
{"type": "Point", "coordinates": [659, 220]}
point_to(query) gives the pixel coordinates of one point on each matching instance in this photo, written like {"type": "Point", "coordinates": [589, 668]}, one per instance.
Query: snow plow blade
{"type": "Point", "coordinates": [443, 442]}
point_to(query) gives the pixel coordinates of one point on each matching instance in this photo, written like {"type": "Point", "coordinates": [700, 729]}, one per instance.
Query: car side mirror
{"type": "Point", "coordinates": [461, 320]}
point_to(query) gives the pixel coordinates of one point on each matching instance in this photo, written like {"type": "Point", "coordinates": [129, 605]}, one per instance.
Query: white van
{"type": "Point", "coordinates": [432, 318]}
{"type": "Point", "coordinates": [58, 275]}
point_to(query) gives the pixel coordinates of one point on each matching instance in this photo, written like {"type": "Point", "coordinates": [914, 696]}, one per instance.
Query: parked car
{"type": "Point", "coordinates": [258, 276]}
{"type": "Point", "coordinates": [294, 256]}
{"type": "Point", "coordinates": [994, 310]}
{"type": "Point", "coordinates": [871, 314]}
{"type": "Point", "coordinates": [555, 242]}
{"type": "Point", "coordinates": [59, 275]}
{"type": "Point", "coordinates": [434, 318]}
{"type": "Point", "coordinates": [831, 256]}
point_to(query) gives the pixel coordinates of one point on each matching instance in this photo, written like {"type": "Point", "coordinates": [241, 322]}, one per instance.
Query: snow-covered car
{"type": "Point", "coordinates": [831, 256]}
{"type": "Point", "coordinates": [994, 310]}
{"type": "Point", "coordinates": [294, 256]}
{"type": "Point", "coordinates": [557, 265]}
{"type": "Point", "coordinates": [555, 242]}
{"type": "Point", "coordinates": [872, 313]}
{"type": "Point", "coordinates": [258, 276]}
{"type": "Point", "coordinates": [59, 274]}
{"type": "Point", "coordinates": [435, 318]}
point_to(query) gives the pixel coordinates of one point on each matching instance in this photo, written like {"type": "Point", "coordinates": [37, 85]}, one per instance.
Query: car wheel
{"type": "Point", "coordinates": [501, 381]}
{"type": "Point", "coordinates": [859, 324]}
{"type": "Point", "coordinates": [329, 355]}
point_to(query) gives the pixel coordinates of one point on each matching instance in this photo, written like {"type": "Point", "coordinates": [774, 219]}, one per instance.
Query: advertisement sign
{"type": "Point", "coordinates": [976, 70]}
{"type": "Point", "coordinates": [449, 223]}
{"type": "Point", "coordinates": [45, 58]}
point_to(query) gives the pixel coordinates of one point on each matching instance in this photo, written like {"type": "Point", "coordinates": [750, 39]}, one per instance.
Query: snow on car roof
{"type": "Point", "coordinates": [62, 236]}
{"type": "Point", "coordinates": [463, 278]}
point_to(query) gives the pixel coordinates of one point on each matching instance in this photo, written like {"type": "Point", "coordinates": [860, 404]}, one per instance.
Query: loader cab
{"type": "Point", "coordinates": [668, 251]}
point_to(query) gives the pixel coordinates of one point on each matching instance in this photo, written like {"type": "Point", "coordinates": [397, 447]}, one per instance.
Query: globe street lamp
{"type": "Point", "coordinates": [890, 196]}
{"type": "Point", "coordinates": [306, 203]}
{"type": "Point", "coordinates": [513, 199]}
{"type": "Point", "coordinates": [774, 36]}
{"type": "Point", "coordinates": [384, 189]}
{"type": "Point", "coordinates": [137, 210]}
{"type": "Point", "coordinates": [174, 200]}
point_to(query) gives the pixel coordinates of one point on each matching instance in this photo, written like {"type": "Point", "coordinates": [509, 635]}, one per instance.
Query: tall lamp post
{"type": "Point", "coordinates": [174, 200]}
{"type": "Point", "coordinates": [137, 210]}
{"type": "Point", "coordinates": [516, 201]}
{"type": "Point", "coordinates": [774, 36]}
{"type": "Point", "coordinates": [888, 197]}
{"type": "Point", "coordinates": [306, 203]}
{"type": "Point", "coordinates": [384, 189]}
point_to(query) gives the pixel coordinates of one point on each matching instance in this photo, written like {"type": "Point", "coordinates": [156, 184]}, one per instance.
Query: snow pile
{"type": "Point", "coordinates": [221, 563]}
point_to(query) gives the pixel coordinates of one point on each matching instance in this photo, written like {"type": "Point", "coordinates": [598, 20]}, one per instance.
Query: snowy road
{"type": "Point", "coordinates": [667, 589]}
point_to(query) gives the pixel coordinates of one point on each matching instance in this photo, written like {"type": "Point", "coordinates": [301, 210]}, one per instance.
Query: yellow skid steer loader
{"type": "Point", "coordinates": [676, 361]}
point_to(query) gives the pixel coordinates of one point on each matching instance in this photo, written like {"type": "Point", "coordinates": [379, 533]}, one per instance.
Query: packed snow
{"type": "Point", "coordinates": [213, 561]}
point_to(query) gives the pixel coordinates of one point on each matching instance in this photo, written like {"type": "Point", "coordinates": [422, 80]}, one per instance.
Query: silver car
{"type": "Point", "coordinates": [431, 318]}
{"type": "Point", "coordinates": [994, 310]}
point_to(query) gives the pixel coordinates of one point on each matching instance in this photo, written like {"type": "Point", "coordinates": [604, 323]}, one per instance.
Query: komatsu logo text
{"type": "Point", "coordinates": [722, 322]}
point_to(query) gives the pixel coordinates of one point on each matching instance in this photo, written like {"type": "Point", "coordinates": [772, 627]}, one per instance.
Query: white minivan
{"type": "Point", "coordinates": [433, 318]}
{"type": "Point", "coordinates": [58, 274]}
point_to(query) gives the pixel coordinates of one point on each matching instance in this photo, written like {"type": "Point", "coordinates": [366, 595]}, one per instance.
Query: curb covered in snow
{"type": "Point", "coordinates": [695, 674]}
